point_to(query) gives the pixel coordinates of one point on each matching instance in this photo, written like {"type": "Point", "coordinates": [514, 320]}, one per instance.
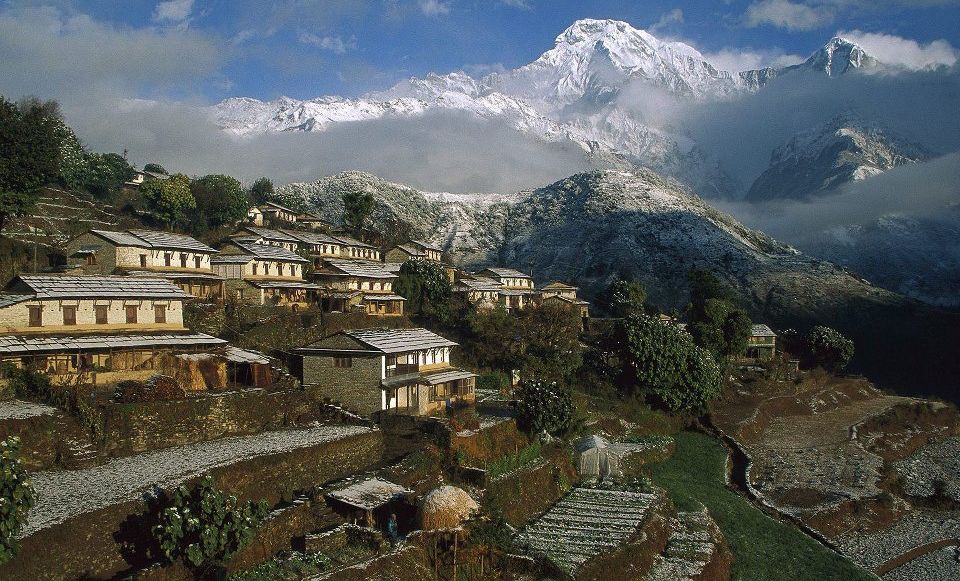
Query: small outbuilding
{"type": "Point", "coordinates": [370, 502]}
{"type": "Point", "coordinates": [596, 458]}
{"type": "Point", "coordinates": [446, 507]}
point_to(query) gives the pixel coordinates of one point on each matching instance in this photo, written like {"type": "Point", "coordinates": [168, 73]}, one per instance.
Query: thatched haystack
{"type": "Point", "coordinates": [445, 507]}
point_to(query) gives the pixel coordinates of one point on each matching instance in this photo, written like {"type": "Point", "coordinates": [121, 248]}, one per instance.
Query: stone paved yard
{"type": "Point", "coordinates": [16, 409]}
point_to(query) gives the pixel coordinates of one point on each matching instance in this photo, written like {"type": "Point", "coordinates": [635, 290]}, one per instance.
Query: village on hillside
{"type": "Point", "coordinates": [295, 399]}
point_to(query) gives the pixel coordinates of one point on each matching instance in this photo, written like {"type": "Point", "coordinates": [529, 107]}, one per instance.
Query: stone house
{"type": "Point", "coordinates": [112, 327]}
{"type": "Point", "coordinates": [255, 216]}
{"type": "Point", "coordinates": [517, 289]}
{"type": "Point", "coordinates": [562, 293]}
{"type": "Point", "coordinates": [480, 291]}
{"type": "Point", "coordinates": [414, 250]}
{"type": "Point", "coordinates": [277, 212]}
{"type": "Point", "coordinates": [319, 246]}
{"type": "Point", "coordinates": [140, 177]}
{"type": "Point", "coordinates": [353, 249]}
{"type": "Point", "coordinates": [762, 343]}
{"type": "Point", "coordinates": [268, 236]}
{"type": "Point", "coordinates": [177, 257]}
{"type": "Point", "coordinates": [354, 283]}
{"type": "Point", "coordinates": [374, 370]}
{"type": "Point", "coordinates": [312, 221]}
{"type": "Point", "coordinates": [265, 274]}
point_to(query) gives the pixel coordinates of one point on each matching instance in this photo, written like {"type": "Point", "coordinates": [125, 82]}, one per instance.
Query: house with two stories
{"type": "Point", "coordinates": [414, 250]}
{"type": "Point", "coordinates": [516, 288]}
{"type": "Point", "coordinates": [480, 291]}
{"type": "Point", "coordinates": [268, 236]}
{"type": "Point", "coordinates": [112, 328]}
{"type": "Point", "coordinates": [265, 274]}
{"type": "Point", "coordinates": [762, 343]}
{"type": "Point", "coordinates": [353, 249]}
{"type": "Point", "coordinates": [278, 213]}
{"type": "Point", "coordinates": [363, 285]}
{"type": "Point", "coordinates": [564, 294]}
{"type": "Point", "coordinates": [179, 258]}
{"type": "Point", "coordinates": [374, 370]}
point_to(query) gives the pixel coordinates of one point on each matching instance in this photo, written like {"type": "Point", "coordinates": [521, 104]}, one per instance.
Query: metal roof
{"type": "Point", "coordinates": [506, 272]}
{"type": "Point", "coordinates": [360, 269]}
{"type": "Point", "coordinates": [133, 287]}
{"type": "Point", "coordinates": [399, 340]}
{"type": "Point", "coordinates": [270, 234]}
{"type": "Point", "coordinates": [448, 375]}
{"type": "Point", "coordinates": [121, 238]}
{"type": "Point", "coordinates": [238, 355]}
{"type": "Point", "coordinates": [267, 252]}
{"type": "Point", "coordinates": [24, 344]}
{"type": "Point", "coordinates": [369, 494]}
{"type": "Point", "coordinates": [761, 330]}
{"type": "Point", "coordinates": [170, 240]}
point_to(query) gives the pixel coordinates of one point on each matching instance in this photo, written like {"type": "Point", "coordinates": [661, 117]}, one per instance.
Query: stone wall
{"type": "Point", "coordinates": [356, 388]}
{"type": "Point", "coordinates": [115, 540]}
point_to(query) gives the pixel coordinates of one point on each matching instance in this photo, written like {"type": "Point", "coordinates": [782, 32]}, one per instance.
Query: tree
{"type": "Point", "coordinates": [426, 287]}
{"type": "Point", "coordinates": [357, 207]}
{"type": "Point", "coordinates": [261, 191]}
{"type": "Point", "coordinates": [17, 497]}
{"type": "Point", "coordinates": [720, 327]}
{"type": "Point", "coordinates": [220, 200]}
{"type": "Point", "coordinates": [705, 285]}
{"type": "Point", "coordinates": [155, 168]}
{"type": "Point", "coordinates": [829, 348]}
{"type": "Point", "coordinates": [494, 339]}
{"type": "Point", "coordinates": [205, 527]}
{"type": "Point", "coordinates": [663, 362]}
{"type": "Point", "coordinates": [550, 341]}
{"type": "Point", "coordinates": [622, 298]}
{"type": "Point", "coordinates": [29, 153]}
{"type": "Point", "coordinates": [544, 407]}
{"type": "Point", "coordinates": [169, 199]}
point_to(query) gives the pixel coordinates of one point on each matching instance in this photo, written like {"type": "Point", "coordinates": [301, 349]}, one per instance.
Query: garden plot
{"type": "Point", "coordinates": [875, 550]}
{"type": "Point", "coordinates": [16, 409]}
{"type": "Point", "coordinates": [695, 541]}
{"type": "Point", "coordinates": [940, 564]}
{"type": "Point", "coordinates": [65, 494]}
{"type": "Point", "coordinates": [931, 470]}
{"type": "Point", "coordinates": [586, 523]}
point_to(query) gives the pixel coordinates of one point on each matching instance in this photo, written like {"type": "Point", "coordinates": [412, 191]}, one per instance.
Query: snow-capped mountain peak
{"type": "Point", "coordinates": [837, 57]}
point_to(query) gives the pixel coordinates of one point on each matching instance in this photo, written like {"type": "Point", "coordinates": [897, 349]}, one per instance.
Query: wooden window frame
{"type": "Point", "coordinates": [343, 362]}
{"type": "Point", "coordinates": [35, 315]}
{"type": "Point", "coordinates": [71, 320]}
{"type": "Point", "coordinates": [102, 314]}
{"type": "Point", "coordinates": [160, 314]}
{"type": "Point", "coordinates": [128, 309]}
{"type": "Point", "coordinates": [143, 261]}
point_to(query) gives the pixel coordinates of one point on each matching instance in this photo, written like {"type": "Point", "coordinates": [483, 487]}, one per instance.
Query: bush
{"type": "Point", "coordinates": [544, 407]}
{"type": "Point", "coordinates": [497, 381]}
{"type": "Point", "coordinates": [829, 348]}
{"type": "Point", "coordinates": [205, 527]}
{"type": "Point", "coordinates": [17, 497]}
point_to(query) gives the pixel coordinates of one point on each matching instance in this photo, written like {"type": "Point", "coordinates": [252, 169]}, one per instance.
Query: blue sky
{"type": "Point", "coordinates": [210, 49]}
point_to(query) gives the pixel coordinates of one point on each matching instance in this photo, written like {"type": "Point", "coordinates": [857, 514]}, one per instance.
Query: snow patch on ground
{"type": "Point", "coordinates": [16, 409]}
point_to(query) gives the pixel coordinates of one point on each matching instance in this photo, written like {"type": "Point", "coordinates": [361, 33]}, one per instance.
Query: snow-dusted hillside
{"type": "Point", "coordinates": [844, 150]}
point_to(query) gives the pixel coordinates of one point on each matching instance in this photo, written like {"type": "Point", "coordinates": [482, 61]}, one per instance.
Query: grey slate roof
{"type": "Point", "coordinates": [238, 355]}
{"type": "Point", "coordinates": [270, 234]}
{"type": "Point", "coordinates": [761, 330]}
{"type": "Point", "coordinates": [361, 269]}
{"type": "Point", "coordinates": [505, 272]}
{"type": "Point", "coordinates": [27, 344]}
{"type": "Point", "coordinates": [279, 207]}
{"type": "Point", "coordinates": [176, 275]}
{"type": "Point", "coordinates": [10, 299]}
{"type": "Point", "coordinates": [427, 245]}
{"type": "Point", "coordinates": [170, 240]}
{"type": "Point", "coordinates": [64, 287]}
{"type": "Point", "coordinates": [121, 238]}
{"type": "Point", "coordinates": [311, 237]}
{"type": "Point", "coordinates": [267, 252]}
{"type": "Point", "coordinates": [399, 340]}
{"type": "Point", "coordinates": [348, 241]}
{"type": "Point", "coordinates": [287, 284]}
{"type": "Point", "coordinates": [369, 494]}
{"type": "Point", "coordinates": [232, 259]}
{"type": "Point", "coordinates": [477, 284]}
{"type": "Point", "coordinates": [448, 375]}
{"type": "Point", "coordinates": [372, 297]}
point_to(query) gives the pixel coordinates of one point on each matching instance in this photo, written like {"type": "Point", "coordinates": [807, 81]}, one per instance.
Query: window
{"type": "Point", "coordinates": [101, 313]}
{"type": "Point", "coordinates": [183, 260]}
{"type": "Point", "coordinates": [255, 265]}
{"type": "Point", "coordinates": [160, 313]}
{"type": "Point", "coordinates": [343, 362]}
{"type": "Point", "coordinates": [36, 315]}
{"type": "Point", "coordinates": [91, 259]}
{"type": "Point", "coordinates": [69, 315]}
{"type": "Point", "coordinates": [131, 313]}
{"type": "Point", "coordinates": [167, 259]}
{"type": "Point", "coordinates": [196, 262]}
{"type": "Point", "coordinates": [143, 261]}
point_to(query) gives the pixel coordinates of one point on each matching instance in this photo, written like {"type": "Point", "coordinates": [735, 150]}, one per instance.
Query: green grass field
{"type": "Point", "coordinates": [763, 548]}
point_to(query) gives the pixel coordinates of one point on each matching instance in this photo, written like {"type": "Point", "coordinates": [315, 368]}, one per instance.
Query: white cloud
{"type": "Point", "coordinates": [896, 50]}
{"type": "Point", "coordinates": [332, 43]}
{"type": "Point", "coordinates": [788, 15]}
{"type": "Point", "coordinates": [737, 59]}
{"type": "Point", "coordinates": [521, 4]}
{"type": "Point", "coordinates": [674, 16]}
{"type": "Point", "coordinates": [434, 7]}
{"type": "Point", "coordinates": [173, 12]}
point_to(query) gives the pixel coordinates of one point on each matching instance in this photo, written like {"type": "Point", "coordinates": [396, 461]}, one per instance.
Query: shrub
{"type": "Point", "coordinates": [544, 407]}
{"type": "Point", "coordinates": [829, 348]}
{"type": "Point", "coordinates": [497, 381]}
{"type": "Point", "coordinates": [17, 497]}
{"type": "Point", "coordinates": [205, 527]}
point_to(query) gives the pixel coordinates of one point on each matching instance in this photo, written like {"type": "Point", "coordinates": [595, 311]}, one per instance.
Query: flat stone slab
{"type": "Point", "coordinates": [65, 494]}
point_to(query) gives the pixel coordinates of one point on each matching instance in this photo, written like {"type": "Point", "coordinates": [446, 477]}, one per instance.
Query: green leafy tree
{"type": "Point", "coordinates": [426, 287]}
{"type": "Point", "coordinates": [494, 339]}
{"type": "Point", "coordinates": [108, 172]}
{"type": "Point", "coordinates": [544, 407]}
{"type": "Point", "coordinates": [357, 208]}
{"type": "Point", "coordinates": [29, 153]}
{"type": "Point", "coordinates": [17, 497]}
{"type": "Point", "coordinates": [705, 285]}
{"type": "Point", "coordinates": [220, 201]}
{"type": "Point", "coordinates": [829, 348]}
{"type": "Point", "coordinates": [550, 341]}
{"type": "Point", "coordinates": [624, 298]}
{"type": "Point", "coordinates": [261, 191]}
{"type": "Point", "coordinates": [720, 327]}
{"type": "Point", "coordinates": [663, 362]}
{"type": "Point", "coordinates": [170, 200]}
{"type": "Point", "coordinates": [205, 527]}
{"type": "Point", "coordinates": [155, 168]}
